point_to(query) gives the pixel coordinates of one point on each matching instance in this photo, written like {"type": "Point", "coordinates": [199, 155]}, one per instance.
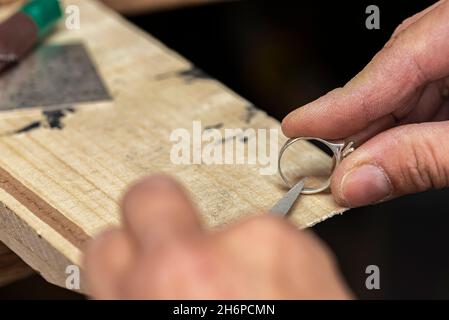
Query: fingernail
{"type": "Point", "coordinates": [364, 185]}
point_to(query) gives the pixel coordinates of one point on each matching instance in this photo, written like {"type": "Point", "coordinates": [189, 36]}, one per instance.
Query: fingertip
{"type": "Point", "coordinates": [300, 122]}
{"type": "Point", "coordinates": [148, 192]}
{"type": "Point", "coordinates": [288, 124]}
{"type": "Point", "coordinates": [328, 117]}
{"type": "Point", "coordinates": [157, 209]}
{"type": "Point", "coordinates": [361, 180]}
{"type": "Point", "coordinates": [156, 182]}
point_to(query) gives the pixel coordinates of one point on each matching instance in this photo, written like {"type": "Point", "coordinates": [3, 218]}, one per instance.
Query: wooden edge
{"type": "Point", "coordinates": [30, 246]}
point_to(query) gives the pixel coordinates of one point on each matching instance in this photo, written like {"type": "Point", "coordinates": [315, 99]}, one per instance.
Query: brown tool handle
{"type": "Point", "coordinates": [18, 35]}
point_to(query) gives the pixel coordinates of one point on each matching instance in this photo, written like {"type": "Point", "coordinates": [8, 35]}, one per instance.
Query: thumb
{"type": "Point", "coordinates": [399, 161]}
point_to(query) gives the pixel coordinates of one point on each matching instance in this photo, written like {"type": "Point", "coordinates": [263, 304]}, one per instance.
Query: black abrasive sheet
{"type": "Point", "coordinates": [52, 76]}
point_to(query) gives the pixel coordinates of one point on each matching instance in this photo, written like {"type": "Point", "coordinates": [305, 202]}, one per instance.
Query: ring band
{"type": "Point", "coordinates": [339, 148]}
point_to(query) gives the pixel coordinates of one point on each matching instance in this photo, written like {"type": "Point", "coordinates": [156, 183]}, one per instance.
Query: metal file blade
{"type": "Point", "coordinates": [283, 206]}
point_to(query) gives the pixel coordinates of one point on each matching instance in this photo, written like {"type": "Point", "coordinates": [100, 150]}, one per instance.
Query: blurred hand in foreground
{"type": "Point", "coordinates": [162, 252]}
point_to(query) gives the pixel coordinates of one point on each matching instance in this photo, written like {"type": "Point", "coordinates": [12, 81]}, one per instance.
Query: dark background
{"type": "Point", "coordinates": [281, 55]}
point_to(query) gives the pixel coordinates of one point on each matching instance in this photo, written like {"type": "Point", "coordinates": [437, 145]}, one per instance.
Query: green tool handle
{"type": "Point", "coordinates": [45, 13]}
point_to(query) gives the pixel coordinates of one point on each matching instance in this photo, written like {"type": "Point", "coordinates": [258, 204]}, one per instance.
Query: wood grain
{"type": "Point", "coordinates": [60, 187]}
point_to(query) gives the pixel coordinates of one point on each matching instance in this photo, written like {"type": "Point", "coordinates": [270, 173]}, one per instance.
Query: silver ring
{"type": "Point", "coordinates": [339, 148]}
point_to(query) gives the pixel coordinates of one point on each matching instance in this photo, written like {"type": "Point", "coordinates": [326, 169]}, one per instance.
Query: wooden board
{"type": "Point", "coordinates": [60, 187]}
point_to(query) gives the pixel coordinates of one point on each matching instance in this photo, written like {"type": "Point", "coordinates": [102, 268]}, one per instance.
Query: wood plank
{"type": "Point", "coordinates": [60, 187]}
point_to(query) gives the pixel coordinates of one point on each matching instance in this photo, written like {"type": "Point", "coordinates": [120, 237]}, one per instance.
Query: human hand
{"type": "Point", "coordinates": [162, 252]}
{"type": "Point", "coordinates": [399, 103]}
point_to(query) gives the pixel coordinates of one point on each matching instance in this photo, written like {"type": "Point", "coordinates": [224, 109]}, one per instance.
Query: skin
{"type": "Point", "coordinates": [396, 110]}
{"type": "Point", "coordinates": [161, 251]}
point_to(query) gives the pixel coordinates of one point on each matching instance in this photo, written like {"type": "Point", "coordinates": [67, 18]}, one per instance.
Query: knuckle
{"type": "Point", "coordinates": [423, 169]}
{"type": "Point", "coordinates": [400, 29]}
{"type": "Point", "coordinates": [403, 25]}
{"type": "Point", "coordinates": [397, 33]}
